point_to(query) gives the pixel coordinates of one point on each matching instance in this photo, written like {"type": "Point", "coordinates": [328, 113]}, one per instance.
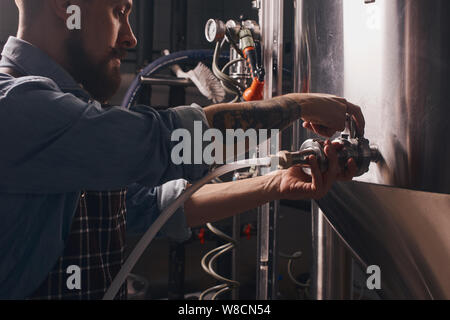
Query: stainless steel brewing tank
{"type": "Point", "coordinates": [391, 57]}
{"type": "Point", "coordinates": [397, 66]}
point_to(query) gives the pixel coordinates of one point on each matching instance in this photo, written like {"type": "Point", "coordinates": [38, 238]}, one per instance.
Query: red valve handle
{"type": "Point", "coordinates": [201, 236]}
{"type": "Point", "coordinates": [248, 231]}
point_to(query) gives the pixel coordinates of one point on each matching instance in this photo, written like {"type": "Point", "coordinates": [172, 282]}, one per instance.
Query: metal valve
{"type": "Point", "coordinates": [354, 147]}
{"type": "Point", "coordinates": [246, 73]}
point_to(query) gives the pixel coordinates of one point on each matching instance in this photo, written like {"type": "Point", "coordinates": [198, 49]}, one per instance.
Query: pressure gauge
{"type": "Point", "coordinates": [215, 30]}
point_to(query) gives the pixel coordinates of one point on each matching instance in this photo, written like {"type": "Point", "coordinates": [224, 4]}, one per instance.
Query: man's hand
{"type": "Point", "coordinates": [295, 184]}
{"type": "Point", "coordinates": [326, 114]}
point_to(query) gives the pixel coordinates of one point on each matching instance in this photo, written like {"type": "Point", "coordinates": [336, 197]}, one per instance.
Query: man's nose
{"type": "Point", "coordinates": [126, 37]}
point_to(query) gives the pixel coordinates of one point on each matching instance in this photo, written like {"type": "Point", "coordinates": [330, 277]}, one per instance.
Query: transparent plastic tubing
{"type": "Point", "coordinates": [169, 211]}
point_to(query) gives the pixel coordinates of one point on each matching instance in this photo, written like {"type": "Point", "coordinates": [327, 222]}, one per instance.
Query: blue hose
{"type": "Point", "coordinates": [165, 61]}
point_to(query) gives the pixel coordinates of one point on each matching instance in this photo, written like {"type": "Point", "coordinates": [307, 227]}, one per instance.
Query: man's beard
{"type": "Point", "coordinates": [97, 78]}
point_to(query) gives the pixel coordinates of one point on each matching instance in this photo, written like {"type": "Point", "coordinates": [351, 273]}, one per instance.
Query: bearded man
{"type": "Point", "coordinates": [61, 142]}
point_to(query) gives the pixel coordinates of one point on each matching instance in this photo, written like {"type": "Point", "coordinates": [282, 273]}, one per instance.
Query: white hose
{"type": "Point", "coordinates": [168, 212]}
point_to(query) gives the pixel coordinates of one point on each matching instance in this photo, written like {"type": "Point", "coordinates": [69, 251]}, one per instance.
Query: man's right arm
{"type": "Point", "coordinates": [323, 113]}
{"type": "Point", "coordinates": [53, 142]}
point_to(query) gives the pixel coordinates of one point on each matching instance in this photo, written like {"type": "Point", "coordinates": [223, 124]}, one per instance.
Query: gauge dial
{"type": "Point", "coordinates": [214, 30]}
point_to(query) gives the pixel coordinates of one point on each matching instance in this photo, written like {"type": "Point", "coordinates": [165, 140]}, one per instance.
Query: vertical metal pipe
{"type": "Point", "coordinates": [332, 269]}
{"type": "Point", "coordinates": [337, 267]}
{"type": "Point", "coordinates": [272, 28]}
{"type": "Point", "coordinates": [317, 282]}
{"type": "Point", "coordinates": [235, 255]}
{"type": "Point", "coordinates": [271, 21]}
{"type": "Point", "coordinates": [313, 41]}
{"type": "Point", "coordinates": [297, 130]}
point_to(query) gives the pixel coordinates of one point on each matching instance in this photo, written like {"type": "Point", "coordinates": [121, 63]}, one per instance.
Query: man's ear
{"type": "Point", "coordinates": [60, 8]}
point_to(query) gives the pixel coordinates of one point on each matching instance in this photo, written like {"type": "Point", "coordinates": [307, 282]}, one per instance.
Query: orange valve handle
{"type": "Point", "coordinates": [255, 92]}
{"type": "Point", "coordinates": [251, 57]}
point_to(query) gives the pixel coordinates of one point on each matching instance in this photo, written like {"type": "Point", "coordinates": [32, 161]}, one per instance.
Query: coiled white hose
{"type": "Point", "coordinates": [168, 212]}
{"type": "Point", "coordinates": [212, 256]}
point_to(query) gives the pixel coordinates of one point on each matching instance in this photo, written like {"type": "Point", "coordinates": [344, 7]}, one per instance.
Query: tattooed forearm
{"type": "Point", "coordinates": [276, 113]}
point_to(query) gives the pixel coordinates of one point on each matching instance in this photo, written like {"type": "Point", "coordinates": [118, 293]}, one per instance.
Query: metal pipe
{"type": "Point", "coordinates": [167, 82]}
{"type": "Point", "coordinates": [271, 22]}
{"type": "Point", "coordinates": [301, 83]}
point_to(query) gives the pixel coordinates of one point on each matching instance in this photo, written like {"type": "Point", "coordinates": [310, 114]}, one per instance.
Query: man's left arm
{"type": "Point", "coordinates": [215, 202]}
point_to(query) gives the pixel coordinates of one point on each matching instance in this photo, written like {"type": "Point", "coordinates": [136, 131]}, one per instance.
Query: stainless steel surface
{"type": "Point", "coordinates": [400, 51]}
{"type": "Point", "coordinates": [271, 22]}
{"type": "Point", "coordinates": [239, 71]}
{"type": "Point", "coordinates": [297, 129]}
{"type": "Point", "coordinates": [391, 57]}
{"type": "Point", "coordinates": [272, 38]}
{"type": "Point", "coordinates": [404, 232]}
{"type": "Point", "coordinates": [332, 260]}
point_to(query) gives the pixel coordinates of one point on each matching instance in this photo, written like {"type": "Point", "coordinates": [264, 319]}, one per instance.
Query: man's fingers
{"type": "Point", "coordinates": [350, 172]}
{"type": "Point", "coordinates": [337, 145]}
{"type": "Point", "coordinates": [323, 131]}
{"type": "Point", "coordinates": [331, 153]}
{"type": "Point", "coordinates": [358, 116]}
{"type": "Point", "coordinates": [316, 175]}
{"type": "Point", "coordinates": [320, 130]}
{"type": "Point", "coordinates": [352, 168]}
{"type": "Point", "coordinates": [298, 172]}
{"type": "Point", "coordinates": [333, 165]}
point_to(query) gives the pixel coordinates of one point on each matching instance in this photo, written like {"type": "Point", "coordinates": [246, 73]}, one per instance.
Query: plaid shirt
{"type": "Point", "coordinates": [96, 245]}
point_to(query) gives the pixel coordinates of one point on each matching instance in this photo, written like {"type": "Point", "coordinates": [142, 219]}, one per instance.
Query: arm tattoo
{"type": "Point", "coordinates": [277, 113]}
